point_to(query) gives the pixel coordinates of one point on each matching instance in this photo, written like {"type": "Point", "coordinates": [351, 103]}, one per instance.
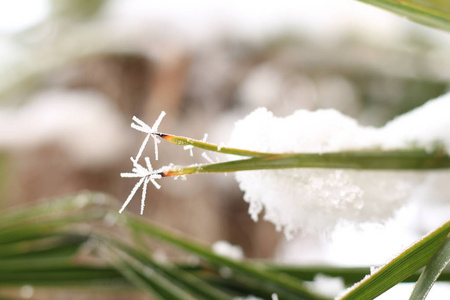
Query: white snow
{"type": "Point", "coordinates": [327, 286]}
{"type": "Point", "coordinates": [426, 127]}
{"type": "Point", "coordinates": [440, 291]}
{"type": "Point", "coordinates": [83, 123]}
{"type": "Point", "coordinates": [26, 291]}
{"type": "Point", "coordinates": [224, 248]}
{"type": "Point", "coordinates": [312, 200]}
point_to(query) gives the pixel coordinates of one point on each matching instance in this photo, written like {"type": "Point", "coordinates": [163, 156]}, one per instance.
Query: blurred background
{"type": "Point", "coordinates": [73, 73]}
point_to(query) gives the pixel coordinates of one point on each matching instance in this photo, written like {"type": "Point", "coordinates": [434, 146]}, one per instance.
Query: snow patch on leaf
{"type": "Point", "coordinates": [312, 200]}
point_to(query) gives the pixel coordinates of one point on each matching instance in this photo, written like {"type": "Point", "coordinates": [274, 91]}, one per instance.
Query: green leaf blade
{"type": "Point", "coordinates": [401, 267]}
{"type": "Point", "coordinates": [361, 160]}
{"type": "Point", "coordinates": [433, 13]}
{"type": "Point", "coordinates": [432, 271]}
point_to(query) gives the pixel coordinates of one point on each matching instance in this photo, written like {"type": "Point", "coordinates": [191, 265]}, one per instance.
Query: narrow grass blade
{"type": "Point", "coordinates": [241, 284]}
{"type": "Point", "coordinates": [46, 246]}
{"type": "Point", "coordinates": [189, 282]}
{"type": "Point", "coordinates": [31, 231]}
{"type": "Point", "coordinates": [71, 276]}
{"type": "Point", "coordinates": [51, 207]}
{"type": "Point", "coordinates": [432, 271]}
{"type": "Point", "coordinates": [131, 275]}
{"type": "Point", "coordinates": [434, 13]}
{"type": "Point", "coordinates": [350, 275]}
{"type": "Point", "coordinates": [185, 141]}
{"type": "Point", "coordinates": [31, 264]}
{"type": "Point", "coordinates": [148, 278]}
{"type": "Point", "coordinates": [388, 160]}
{"type": "Point", "coordinates": [404, 265]}
{"type": "Point", "coordinates": [255, 271]}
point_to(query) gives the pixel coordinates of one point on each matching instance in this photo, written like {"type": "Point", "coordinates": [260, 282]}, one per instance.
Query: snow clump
{"type": "Point", "coordinates": [312, 200]}
{"type": "Point", "coordinates": [225, 249]}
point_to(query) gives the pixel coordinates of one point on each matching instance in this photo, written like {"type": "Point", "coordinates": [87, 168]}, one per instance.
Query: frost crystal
{"type": "Point", "coordinates": [224, 248]}
{"type": "Point", "coordinates": [142, 127]}
{"type": "Point", "coordinates": [190, 148]}
{"type": "Point", "coordinates": [317, 199]}
{"type": "Point", "coordinates": [146, 174]}
{"type": "Point", "coordinates": [205, 156]}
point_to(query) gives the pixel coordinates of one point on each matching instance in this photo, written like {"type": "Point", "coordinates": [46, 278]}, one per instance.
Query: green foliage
{"type": "Point", "coordinates": [434, 13]}
{"type": "Point", "coordinates": [83, 242]}
{"type": "Point", "coordinates": [371, 159]}
{"type": "Point", "coordinates": [432, 271]}
{"type": "Point", "coordinates": [404, 265]}
{"type": "Point", "coordinates": [3, 175]}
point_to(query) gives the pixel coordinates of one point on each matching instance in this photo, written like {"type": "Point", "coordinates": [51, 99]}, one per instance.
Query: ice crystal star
{"type": "Point", "coordinates": [147, 175]}
{"type": "Point", "coordinates": [190, 147]}
{"type": "Point", "coordinates": [142, 127]}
